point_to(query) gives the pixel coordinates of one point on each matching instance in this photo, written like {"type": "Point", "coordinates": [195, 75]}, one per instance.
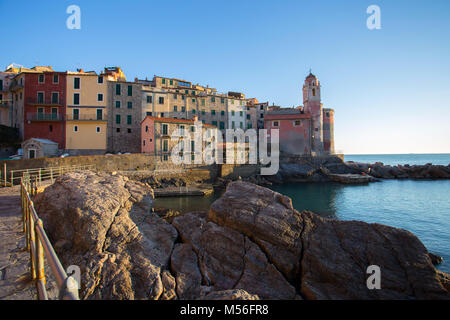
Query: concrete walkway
{"type": "Point", "coordinates": [15, 282]}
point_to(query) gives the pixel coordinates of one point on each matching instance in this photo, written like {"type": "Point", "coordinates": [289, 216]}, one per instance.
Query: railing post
{"type": "Point", "coordinates": [4, 168]}
{"type": "Point", "coordinates": [40, 175]}
{"type": "Point", "coordinates": [40, 268]}
{"type": "Point", "coordinates": [12, 178]}
{"type": "Point", "coordinates": [51, 174]}
{"type": "Point", "coordinates": [32, 242]}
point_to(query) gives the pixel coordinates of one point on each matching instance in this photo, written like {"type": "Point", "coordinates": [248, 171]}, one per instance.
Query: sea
{"type": "Point", "coordinates": [420, 206]}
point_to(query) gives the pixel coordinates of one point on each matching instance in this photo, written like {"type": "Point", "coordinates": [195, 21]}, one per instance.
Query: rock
{"type": "Point", "coordinates": [105, 228]}
{"type": "Point", "coordinates": [229, 260]}
{"type": "Point", "coordinates": [184, 265]}
{"type": "Point", "coordinates": [351, 178]}
{"type": "Point", "coordinates": [328, 259]}
{"type": "Point", "coordinates": [435, 259]}
{"type": "Point", "coordinates": [233, 294]}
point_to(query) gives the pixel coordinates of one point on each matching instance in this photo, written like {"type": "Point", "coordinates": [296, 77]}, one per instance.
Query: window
{"type": "Point", "coordinates": [248, 117]}
{"type": "Point", "coordinates": [75, 128]}
{"type": "Point", "coordinates": [76, 83]}
{"type": "Point", "coordinates": [297, 123]}
{"type": "Point", "coordinates": [40, 114]}
{"type": "Point", "coordinates": [261, 115]}
{"type": "Point", "coordinates": [222, 113]}
{"type": "Point", "coordinates": [1, 85]}
{"type": "Point", "coordinates": [100, 79]}
{"type": "Point", "coordinates": [275, 124]}
{"type": "Point", "coordinates": [54, 114]}
{"type": "Point", "coordinates": [171, 82]}
{"type": "Point", "coordinates": [213, 99]}
{"type": "Point", "coordinates": [163, 81]}
{"type": "Point", "coordinates": [99, 114]}
{"type": "Point", "coordinates": [213, 112]}
{"type": "Point", "coordinates": [193, 92]}
{"type": "Point", "coordinates": [241, 113]}
{"type": "Point", "coordinates": [192, 129]}
{"type": "Point", "coordinates": [165, 145]}
{"type": "Point", "coordinates": [149, 99]}
{"type": "Point", "coordinates": [40, 97]}
{"type": "Point", "coordinates": [249, 125]}
{"type": "Point", "coordinates": [41, 78]}
{"type": "Point", "coordinates": [76, 98]}
{"type": "Point", "coordinates": [186, 91]}
{"type": "Point", "coordinates": [328, 114]}
{"type": "Point", "coordinates": [117, 104]}
{"type": "Point", "coordinates": [232, 101]}
{"type": "Point", "coordinates": [130, 105]}
{"type": "Point", "coordinates": [192, 145]}
{"type": "Point", "coordinates": [241, 125]}
{"type": "Point", "coordinates": [193, 100]}
{"type": "Point", "coordinates": [146, 128]}
{"type": "Point", "coordinates": [164, 129]}
{"type": "Point", "coordinates": [117, 118]}
{"type": "Point", "coordinates": [129, 130]}
{"type": "Point", "coordinates": [117, 129]}
{"type": "Point", "coordinates": [162, 114]}
{"type": "Point", "coordinates": [118, 89]}
{"type": "Point", "coordinates": [193, 111]}
{"type": "Point", "coordinates": [76, 114]}
{"type": "Point", "coordinates": [222, 125]}
{"type": "Point", "coordinates": [100, 97]}
{"type": "Point", "coordinates": [174, 108]}
{"type": "Point", "coordinates": [182, 130]}
{"type": "Point", "coordinates": [261, 108]}
{"type": "Point", "coordinates": [175, 96]}
{"type": "Point", "coordinates": [97, 129]}
{"type": "Point", "coordinates": [203, 102]}
{"type": "Point", "coordinates": [214, 123]}
{"type": "Point", "coordinates": [314, 92]}
{"type": "Point", "coordinates": [182, 97]}
{"type": "Point", "coordinates": [183, 109]}
{"type": "Point", "coordinates": [161, 100]}
{"type": "Point", "coordinates": [55, 97]}
{"type": "Point", "coordinates": [232, 112]}
{"type": "Point", "coordinates": [232, 124]}
{"type": "Point", "coordinates": [203, 112]}
{"type": "Point", "coordinates": [149, 113]}
{"type": "Point", "coordinates": [143, 142]}
{"type": "Point", "coordinates": [55, 78]}
{"type": "Point", "coordinates": [130, 91]}
{"type": "Point", "coordinates": [129, 119]}
{"type": "Point", "coordinates": [50, 128]}
{"type": "Point", "coordinates": [222, 100]}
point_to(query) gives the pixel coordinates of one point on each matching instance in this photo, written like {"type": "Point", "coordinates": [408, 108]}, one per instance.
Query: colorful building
{"type": "Point", "coordinates": [39, 104]}
{"type": "Point", "coordinates": [86, 113]}
{"type": "Point", "coordinates": [6, 103]}
{"type": "Point", "coordinates": [307, 130]}
{"type": "Point", "coordinates": [156, 135]}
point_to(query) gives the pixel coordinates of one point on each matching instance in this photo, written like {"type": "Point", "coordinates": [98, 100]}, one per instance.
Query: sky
{"type": "Point", "coordinates": [390, 88]}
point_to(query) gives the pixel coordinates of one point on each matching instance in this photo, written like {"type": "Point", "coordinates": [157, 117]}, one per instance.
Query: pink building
{"type": "Point", "coordinates": [156, 134]}
{"type": "Point", "coordinates": [307, 130]}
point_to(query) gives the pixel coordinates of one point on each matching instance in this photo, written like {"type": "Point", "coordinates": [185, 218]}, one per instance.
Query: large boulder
{"type": "Point", "coordinates": [328, 259]}
{"type": "Point", "coordinates": [102, 223]}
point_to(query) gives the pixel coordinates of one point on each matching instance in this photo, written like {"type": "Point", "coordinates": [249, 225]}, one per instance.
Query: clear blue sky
{"type": "Point", "coordinates": [390, 88]}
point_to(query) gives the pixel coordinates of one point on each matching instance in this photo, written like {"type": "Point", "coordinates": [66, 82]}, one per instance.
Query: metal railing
{"type": "Point", "coordinates": [44, 117]}
{"type": "Point", "coordinates": [12, 177]}
{"type": "Point", "coordinates": [38, 244]}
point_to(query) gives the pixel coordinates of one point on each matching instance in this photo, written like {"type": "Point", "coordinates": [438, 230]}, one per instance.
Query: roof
{"type": "Point", "coordinates": [188, 121]}
{"type": "Point", "coordinates": [43, 140]}
{"type": "Point", "coordinates": [286, 116]}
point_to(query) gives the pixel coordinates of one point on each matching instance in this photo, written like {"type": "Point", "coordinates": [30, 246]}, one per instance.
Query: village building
{"type": "Point", "coordinates": [157, 135]}
{"type": "Point", "coordinates": [307, 130]}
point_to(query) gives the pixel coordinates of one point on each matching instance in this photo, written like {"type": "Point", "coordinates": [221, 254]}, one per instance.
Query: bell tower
{"type": "Point", "coordinates": [312, 105]}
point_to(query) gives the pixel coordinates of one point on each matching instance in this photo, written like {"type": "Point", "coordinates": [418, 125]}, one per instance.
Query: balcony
{"type": "Point", "coordinates": [44, 102]}
{"type": "Point", "coordinates": [85, 117]}
{"type": "Point", "coordinates": [15, 85]}
{"type": "Point", "coordinates": [4, 104]}
{"type": "Point", "coordinates": [44, 117]}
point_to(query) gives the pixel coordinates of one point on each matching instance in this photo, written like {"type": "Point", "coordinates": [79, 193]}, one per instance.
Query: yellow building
{"type": "Point", "coordinates": [86, 118]}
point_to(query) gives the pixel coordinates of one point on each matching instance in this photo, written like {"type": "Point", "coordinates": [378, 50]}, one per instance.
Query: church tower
{"type": "Point", "coordinates": [312, 105]}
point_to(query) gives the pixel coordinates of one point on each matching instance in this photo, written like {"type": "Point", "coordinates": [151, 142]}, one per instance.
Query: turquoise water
{"type": "Point", "coordinates": [422, 207]}
{"type": "Point", "coordinates": [394, 159]}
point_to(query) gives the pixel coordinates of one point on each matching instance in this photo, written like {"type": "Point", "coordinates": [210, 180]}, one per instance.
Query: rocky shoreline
{"type": "Point", "coordinates": [252, 244]}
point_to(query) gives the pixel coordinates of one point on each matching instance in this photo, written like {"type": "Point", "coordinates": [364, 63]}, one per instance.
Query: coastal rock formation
{"type": "Point", "coordinates": [101, 223]}
{"type": "Point", "coordinates": [379, 170]}
{"type": "Point", "coordinates": [328, 259]}
{"type": "Point", "coordinates": [252, 244]}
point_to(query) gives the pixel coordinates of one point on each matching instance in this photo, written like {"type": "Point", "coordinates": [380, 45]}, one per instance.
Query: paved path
{"type": "Point", "coordinates": [15, 283]}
